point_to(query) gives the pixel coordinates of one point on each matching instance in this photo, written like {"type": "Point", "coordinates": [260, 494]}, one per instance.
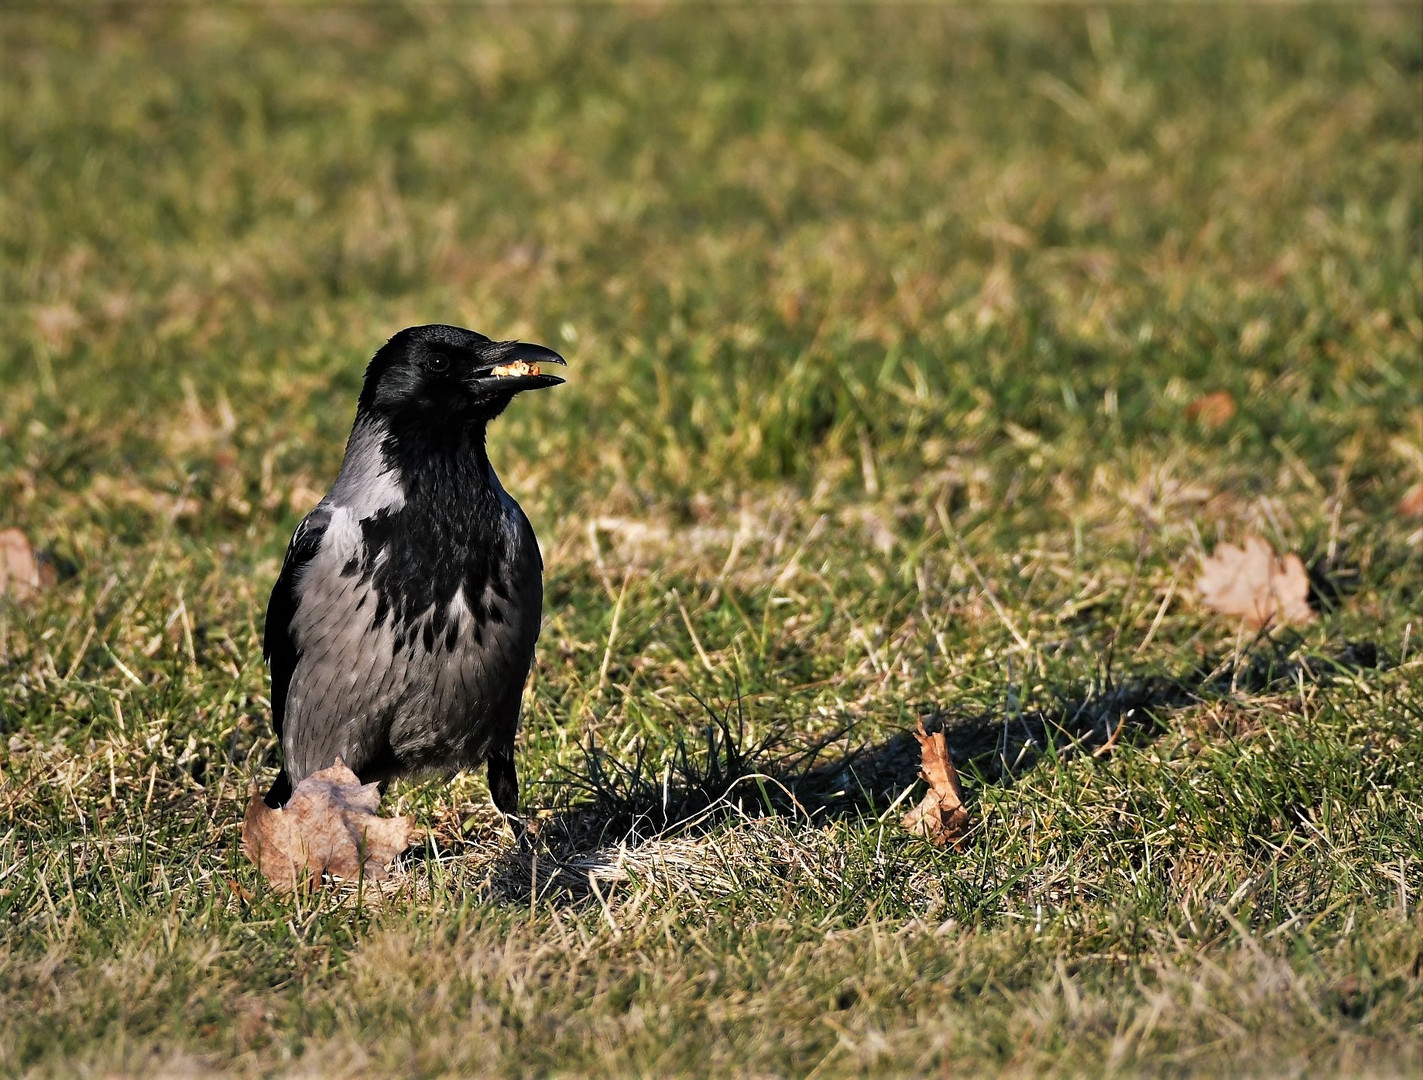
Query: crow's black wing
{"type": "Point", "coordinates": [278, 642]}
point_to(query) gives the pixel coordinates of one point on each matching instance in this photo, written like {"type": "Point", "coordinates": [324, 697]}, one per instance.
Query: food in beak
{"type": "Point", "coordinates": [518, 367]}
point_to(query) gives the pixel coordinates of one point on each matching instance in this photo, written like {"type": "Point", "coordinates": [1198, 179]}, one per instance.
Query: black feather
{"type": "Point", "coordinates": [278, 648]}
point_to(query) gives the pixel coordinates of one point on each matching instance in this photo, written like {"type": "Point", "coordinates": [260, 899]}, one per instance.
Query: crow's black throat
{"type": "Point", "coordinates": [449, 535]}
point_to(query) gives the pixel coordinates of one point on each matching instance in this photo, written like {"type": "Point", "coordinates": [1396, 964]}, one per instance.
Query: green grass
{"type": "Point", "coordinates": [882, 327]}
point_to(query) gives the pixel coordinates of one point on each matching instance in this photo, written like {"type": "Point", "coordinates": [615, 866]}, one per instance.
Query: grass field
{"type": "Point", "coordinates": [884, 325]}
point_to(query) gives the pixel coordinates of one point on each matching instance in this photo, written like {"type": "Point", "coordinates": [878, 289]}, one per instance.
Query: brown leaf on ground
{"type": "Point", "coordinates": [940, 817]}
{"type": "Point", "coordinates": [22, 574]}
{"type": "Point", "coordinates": [1252, 583]}
{"type": "Point", "coordinates": [1411, 505]}
{"type": "Point", "coordinates": [1212, 410]}
{"type": "Point", "coordinates": [328, 825]}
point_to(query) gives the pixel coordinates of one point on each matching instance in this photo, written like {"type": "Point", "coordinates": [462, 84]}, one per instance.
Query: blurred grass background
{"type": "Point", "coordinates": [884, 325]}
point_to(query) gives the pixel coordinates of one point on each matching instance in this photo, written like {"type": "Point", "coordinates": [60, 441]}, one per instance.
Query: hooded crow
{"type": "Point", "coordinates": [402, 627]}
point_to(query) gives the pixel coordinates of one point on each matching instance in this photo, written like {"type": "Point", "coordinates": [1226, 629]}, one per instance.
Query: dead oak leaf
{"type": "Point", "coordinates": [1251, 582]}
{"type": "Point", "coordinates": [329, 825]}
{"type": "Point", "coordinates": [22, 572]}
{"type": "Point", "coordinates": [940, 817]}
{"type": "Point", "coordinates": [1212, 410]}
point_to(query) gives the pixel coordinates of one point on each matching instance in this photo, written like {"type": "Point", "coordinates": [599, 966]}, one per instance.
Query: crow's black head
{"type": "Point", "coordinates": [437, 376]}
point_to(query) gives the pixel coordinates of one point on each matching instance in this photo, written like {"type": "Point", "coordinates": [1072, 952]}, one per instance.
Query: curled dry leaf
{"type": "Point", "coordinates": [940, 817]}
{"type": "Point", "coordinates": [1212, 410]}
{"type": "Point", "coordinates": [328, 825]}
{"type": "Point", "coordinates": [1411, 505]}
{"type": "Point", "coordinates": [1252, 583]}
{"type": "Point", "coordinates": [22, 574]}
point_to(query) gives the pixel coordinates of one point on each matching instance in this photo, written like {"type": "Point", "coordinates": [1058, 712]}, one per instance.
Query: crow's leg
{"type": "Point", "coordinates": [279, 792]}
{"type": "Point", "coordinates": [504, 790]}
{"type": "Point", "coordinates": [504, 783]}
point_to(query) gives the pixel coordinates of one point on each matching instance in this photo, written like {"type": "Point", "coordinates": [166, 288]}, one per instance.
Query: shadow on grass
{"type": "Point", "coordinates": [612, 807]}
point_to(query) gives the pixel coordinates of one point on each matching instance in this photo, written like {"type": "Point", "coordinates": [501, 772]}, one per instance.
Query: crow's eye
{"type": "Point", "coordinates": [438, 361]}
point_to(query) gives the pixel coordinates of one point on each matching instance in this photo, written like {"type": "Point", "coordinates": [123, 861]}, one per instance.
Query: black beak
{"type": "Point", "coordinates": [516, 366]}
